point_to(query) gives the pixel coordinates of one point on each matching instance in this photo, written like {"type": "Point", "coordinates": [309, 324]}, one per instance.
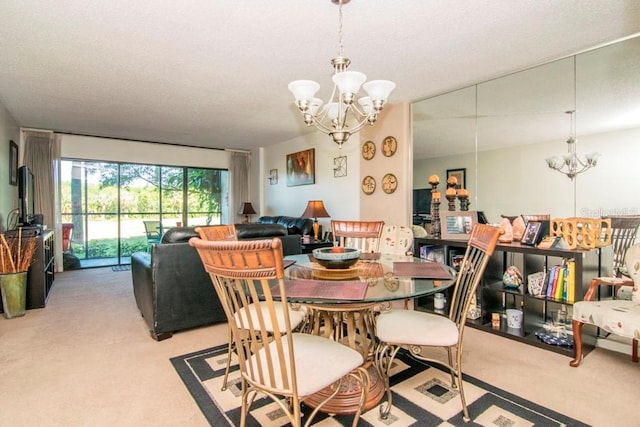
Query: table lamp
{"type": "Point", "coordinates": [315, 209]}
{"type": "Point", "coordinates": [246, 209]}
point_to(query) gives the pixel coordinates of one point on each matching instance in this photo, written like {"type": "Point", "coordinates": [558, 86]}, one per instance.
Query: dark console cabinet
{"type": "Point", "coordinates": [494, 297]}
{"type": "Point", "coordinates": [41, 273]}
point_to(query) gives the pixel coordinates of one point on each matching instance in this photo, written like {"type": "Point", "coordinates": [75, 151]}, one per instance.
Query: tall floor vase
{"type": "Point", "coordinates": [14, 294]}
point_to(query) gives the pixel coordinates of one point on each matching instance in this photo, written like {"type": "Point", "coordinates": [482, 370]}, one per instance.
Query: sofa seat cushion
{"type": "Point", "coordinates": [256, 231]}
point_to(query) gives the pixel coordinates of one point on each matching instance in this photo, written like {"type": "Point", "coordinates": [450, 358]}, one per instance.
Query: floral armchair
{"type": "Point", "coordinates": [396, 239]}
{"type": "Point", "coordinates": [615, 316]}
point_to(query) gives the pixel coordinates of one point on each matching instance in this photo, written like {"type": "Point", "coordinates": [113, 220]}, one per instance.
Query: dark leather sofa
{"type": "Point", "coordinates": [294, 225]}
{"type": "Point", "coordinates": [171, 288]}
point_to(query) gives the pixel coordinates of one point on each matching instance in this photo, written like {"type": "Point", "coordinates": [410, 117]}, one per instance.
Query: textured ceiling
{"type": "Point", "coordinates": [215, 73]}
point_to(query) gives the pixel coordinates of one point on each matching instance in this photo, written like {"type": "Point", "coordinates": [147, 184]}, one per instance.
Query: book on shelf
{"type": "Point", "coordinates": [571, 292]}
{"type": "Point", "coordinates": [559, 285]}
{"type": "Point", "coordinates": [551, 284]}
{"type": "Point", "coordinates": [560, 282]}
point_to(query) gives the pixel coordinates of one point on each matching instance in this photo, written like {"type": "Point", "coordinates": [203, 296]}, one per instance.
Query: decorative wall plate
{"type": "Point", "coordinates": [389, 146]}
{"type": "Point", "coordinates": [389, 183]}
{"type": "Point", "coordinates": [339, 166]}
{"type": "Point", "coordinates": [368, 185]}
{"type": "Point", "coordinates": [368, 150]}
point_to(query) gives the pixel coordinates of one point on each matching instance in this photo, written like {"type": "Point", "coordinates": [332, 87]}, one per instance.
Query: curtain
{"type": "Point", "coordinates": [239, 163]}
{"type": "Point", "coordinates": [42, 156]}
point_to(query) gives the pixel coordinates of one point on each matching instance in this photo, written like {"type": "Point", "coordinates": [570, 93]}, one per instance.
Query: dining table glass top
{"type": "Point", "coordinates": [387, 278]}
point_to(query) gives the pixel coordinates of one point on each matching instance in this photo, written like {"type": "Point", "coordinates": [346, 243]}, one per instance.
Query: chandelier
{"type": "Point", "coordinates": [341, 116]}
{"type": "Point", "coordinates": [571, 164]}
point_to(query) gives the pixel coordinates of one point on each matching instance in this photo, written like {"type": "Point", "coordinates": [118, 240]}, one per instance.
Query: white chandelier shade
{"type": "Point", "coordinates": [572, 164]}
{"type": "Point", "coordinates": [341, 116]}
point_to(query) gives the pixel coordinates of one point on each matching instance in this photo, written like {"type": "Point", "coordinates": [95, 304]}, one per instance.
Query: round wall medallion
{"type": "Point", "coordinates": [389, 146]}
{"type": "Point", "coordinates": [389, 183]}
{"type": "Point", "coordinates": [368, 150]}
{"type": "Point", "coordinates": [368, 185]}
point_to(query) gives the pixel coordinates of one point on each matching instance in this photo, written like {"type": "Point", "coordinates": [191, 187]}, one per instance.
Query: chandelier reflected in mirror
{"type": "Point", "coordinates": [345, 113]}
{"type": "Point", "coordinates": [571, 164]}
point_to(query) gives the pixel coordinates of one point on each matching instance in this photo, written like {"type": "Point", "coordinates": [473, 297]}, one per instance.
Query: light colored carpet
{"type": "Point", "coordinates": [87, 360]}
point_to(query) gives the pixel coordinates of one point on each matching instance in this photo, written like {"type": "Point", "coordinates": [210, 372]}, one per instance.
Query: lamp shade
{"type": "Point", "coordinates": [246, 209]}
{"type": "Point", "coordinates": [315, 209]}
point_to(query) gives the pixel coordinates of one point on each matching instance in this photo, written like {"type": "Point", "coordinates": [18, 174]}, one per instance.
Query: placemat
{"type": "Point", "coordinates": [323, 289]}
{"type": "Point", "coordinates": [425, 270]}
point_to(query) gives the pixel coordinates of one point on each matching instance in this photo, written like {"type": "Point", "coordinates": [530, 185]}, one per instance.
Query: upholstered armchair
{"type": "Point", "coordinates": [615, 316]}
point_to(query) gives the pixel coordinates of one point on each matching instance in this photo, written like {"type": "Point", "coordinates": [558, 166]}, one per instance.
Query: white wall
{"type": "Point", "coordinates": [9, 130]}
{"type": "Point", "coordinates": [340, 195]}
{"type": "Point", "coordinates": [343, 196]}
{"type": "Point", "coordinates": [392, 208]}
{"type": "Point", "coordinates": [117, 150]}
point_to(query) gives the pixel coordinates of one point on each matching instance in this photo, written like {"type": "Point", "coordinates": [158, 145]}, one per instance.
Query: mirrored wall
{"type": "Point", "coordinates": [501, 131]}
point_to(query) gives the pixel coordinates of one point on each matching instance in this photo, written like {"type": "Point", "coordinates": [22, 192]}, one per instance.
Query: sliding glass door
{"type": "Point", "coordinates": [116, 209]}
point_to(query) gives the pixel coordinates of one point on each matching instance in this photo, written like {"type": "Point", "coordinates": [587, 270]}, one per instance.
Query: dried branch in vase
{"type": "Point", "coordinates": [16, 253]}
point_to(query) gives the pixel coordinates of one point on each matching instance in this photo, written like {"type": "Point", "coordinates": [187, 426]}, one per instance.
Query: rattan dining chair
{"type": "Point", "coordinates": [153, 231]}
{"type": "Point", "coordinates": [413, 330]}
{"type": "Point", "coordinates": [289, 367]}
{"type": "Point", "coordinates": [363, 235]}
{"type": "Point", "coordinates": [217, 232]}
{"type": "Point", "coordinates": [228, 233]}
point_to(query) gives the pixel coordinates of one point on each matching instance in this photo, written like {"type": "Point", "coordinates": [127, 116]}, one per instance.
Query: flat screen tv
{"type": "Point", "coordinates": [26, 195]}
{"type": "Point", "coordinates": [421, 201]}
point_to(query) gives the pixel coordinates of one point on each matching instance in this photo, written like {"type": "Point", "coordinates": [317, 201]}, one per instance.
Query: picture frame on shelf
{"type": "Point", "coordinates": [460, 175]}
{"type": "Point", "coordinates": [457, 225]}
{"type": "Point", "coordinates": [535, 283]}
{"type": "Point", "coordinates": [532, 233]}
{"type": "Point", "coordinates": [301, 168]}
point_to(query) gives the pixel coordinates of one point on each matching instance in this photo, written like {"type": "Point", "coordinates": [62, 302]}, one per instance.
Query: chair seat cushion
{"type": "Point", "coordinates": [295, 317]}
{"type": "Point", "coordinates": [620, 317]}
{"type": "Point", "coordinates": [416, 328]}
{"type": "Point", "coordinates": [319, 362]}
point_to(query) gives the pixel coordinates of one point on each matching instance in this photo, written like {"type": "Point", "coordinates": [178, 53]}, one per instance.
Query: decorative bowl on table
{"type": "Point", "coordinates": [331, 259]}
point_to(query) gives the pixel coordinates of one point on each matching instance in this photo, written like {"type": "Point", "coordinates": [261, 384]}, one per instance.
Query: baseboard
{"type": "Point", "coordinates": [615, 343]}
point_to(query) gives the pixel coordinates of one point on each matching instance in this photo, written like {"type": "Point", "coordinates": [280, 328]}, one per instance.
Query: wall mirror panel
{"type": "Point", "coordinates": [503, 129]}
{"type": "Point", "coordinates": [444, 129]}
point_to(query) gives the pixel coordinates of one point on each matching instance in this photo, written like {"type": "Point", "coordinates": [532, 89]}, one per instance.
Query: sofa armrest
{"type": "Point", "coordinates": [142, 278]}
{"type": "Point", "coordinates": [291, 244]}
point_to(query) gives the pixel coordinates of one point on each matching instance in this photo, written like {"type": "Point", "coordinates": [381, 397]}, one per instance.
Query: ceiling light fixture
{"type": "Point", "coordinates": [341, 117]}
{"type": "Point", "coordinates": [571, 164]}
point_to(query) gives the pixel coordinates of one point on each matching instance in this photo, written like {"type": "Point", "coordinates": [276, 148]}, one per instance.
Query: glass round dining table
{"type": "Point", "coordinates": [343, 305]}
{"type": "Point", "coordinates": [388, 277]}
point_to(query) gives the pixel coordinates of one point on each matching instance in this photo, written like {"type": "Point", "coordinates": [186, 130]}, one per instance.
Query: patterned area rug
{"type": "Point", "coordinates": [126, 267]}
{"type": "Point", "coordinates": [422, 397]}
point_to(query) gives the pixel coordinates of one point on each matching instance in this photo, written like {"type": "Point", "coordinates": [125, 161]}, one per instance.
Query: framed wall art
{"type": "Point", "coordinates": [339, 166]}
{"type": "Point", "coordinates": [460, 175]}
{"type": "Point", "coordinates": [301, 168]}
{"type": "Point", "coordinates": [273, 176]}
{"type": "Point", "coordinates": [13, 163]}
